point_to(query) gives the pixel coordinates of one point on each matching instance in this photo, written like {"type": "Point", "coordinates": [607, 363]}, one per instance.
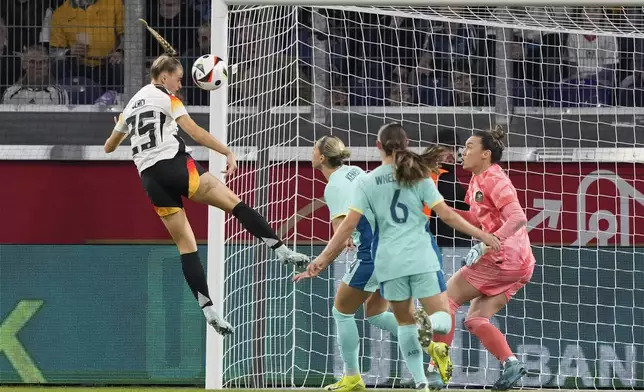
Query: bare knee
{"type": "Point", "coordinates": [460, 290]}
{"type": "Point", "coordinates": [402, 312]}
{"type": "Point", "coordinates": [375, 305]}
{"type": "Point", "coordinates": [436, 303]}
{"type": "Point", "coordinates": [348, 299]}
{"type": "Point", "coordinates": [405, 318]}
{"type": "Point", "coordinates": [186, 245]}
{"type": "Point", "coordinates": [181, 232]}
{"type": "Point", "coordinates": [487, 307]}
{"type": "Point", "coordinates": [213, 192]}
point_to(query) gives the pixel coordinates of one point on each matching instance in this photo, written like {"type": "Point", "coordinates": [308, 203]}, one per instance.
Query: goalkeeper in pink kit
{"type": "Point", "coordinates": [490, 279]}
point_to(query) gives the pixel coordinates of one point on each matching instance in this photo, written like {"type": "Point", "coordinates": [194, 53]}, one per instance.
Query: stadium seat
{"type": "Point", "coordinates": [432, 91]}
{"type": "Point", "coordinates": [366, 92]}
{"type": "Point", "coordinates": [368, 89]}
{"type": "Point", "coordinates": [581, 93]}
{"type": "Point", "coordinates": [524, 94]}
{"type": "Point", "coordinates": [82, 91]}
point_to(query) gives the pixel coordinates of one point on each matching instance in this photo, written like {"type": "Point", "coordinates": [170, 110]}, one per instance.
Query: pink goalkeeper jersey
{"type": "Point", "coordinates": [486, 195]}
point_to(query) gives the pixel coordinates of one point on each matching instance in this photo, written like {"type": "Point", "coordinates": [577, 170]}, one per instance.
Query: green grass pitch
{"type": "Point", "coordinates": [17, 388]}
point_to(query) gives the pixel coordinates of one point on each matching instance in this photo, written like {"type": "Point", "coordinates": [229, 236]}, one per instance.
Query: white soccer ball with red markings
{"type": "Point", "coordinates": [210, 72]}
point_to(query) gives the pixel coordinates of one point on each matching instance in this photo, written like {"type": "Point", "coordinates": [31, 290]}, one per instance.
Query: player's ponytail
{"type": "Point", "coordinates": [492, 140]}
{"type": "Point", "coordinates": [333, 150]}
{"type": "Point", "coordinates": [167, 62]}
{"type": "Point", "coordinates": [409, 167]}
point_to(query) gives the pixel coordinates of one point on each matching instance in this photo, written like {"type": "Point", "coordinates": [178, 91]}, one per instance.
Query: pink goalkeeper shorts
{"type": "Point", "coordinates": [491, 280]}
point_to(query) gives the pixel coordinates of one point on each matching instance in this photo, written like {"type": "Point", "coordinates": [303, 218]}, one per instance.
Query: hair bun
{"type": "Point", "coordinates": [345, 153]}
{"type": "Point", "coordinates": [498, 133]}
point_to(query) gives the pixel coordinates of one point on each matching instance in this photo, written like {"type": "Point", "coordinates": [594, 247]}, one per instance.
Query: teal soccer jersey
{"type": "Point", "coordinates": [403, 245]}
{"type": "Point", "coordinates": [338, 195]}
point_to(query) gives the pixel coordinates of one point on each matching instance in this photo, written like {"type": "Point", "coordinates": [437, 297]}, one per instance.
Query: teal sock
{"type": "Point", "coordinates": [441, 322]}
{"type": "Point", "coordinates": [412, 352]}
{"type": "Point", "coordinates": [348, 340]}
{"type": "Point", "coordinates": [385, 321]}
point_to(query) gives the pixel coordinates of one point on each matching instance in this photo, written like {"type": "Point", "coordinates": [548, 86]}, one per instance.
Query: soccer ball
{"type": "Point", "coordinates": [209, 72]}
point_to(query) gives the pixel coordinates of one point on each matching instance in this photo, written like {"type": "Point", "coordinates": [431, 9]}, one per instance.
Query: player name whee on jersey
{"type": "Point", "coordinates": [385, 179]}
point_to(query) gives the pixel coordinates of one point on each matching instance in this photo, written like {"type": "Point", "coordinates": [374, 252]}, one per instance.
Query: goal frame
{"type": "Point", "coordinates": [218, 124]}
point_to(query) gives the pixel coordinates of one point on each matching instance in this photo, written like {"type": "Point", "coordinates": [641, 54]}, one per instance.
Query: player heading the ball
{"type": "Point", "coordinates": [491, 277]}
{"type": "Point", "coordinates": [406, 263]}
{"type": "Point", "coordinates": [169, 173]}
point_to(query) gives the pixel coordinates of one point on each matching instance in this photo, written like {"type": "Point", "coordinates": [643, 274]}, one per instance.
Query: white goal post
{"type": "Point", "coordinates": [271, 100]}
{"type": "Point", "coordinates": [216, 217]}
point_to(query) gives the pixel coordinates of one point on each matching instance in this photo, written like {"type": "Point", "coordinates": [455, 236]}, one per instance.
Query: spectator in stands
{"type": "Point", "coordinates": [87, 36]}
{"type": "Point", "coordinates": [24, 20]}
{"type": "Point", "coordinates": [451, 44]}
{"type": "Point", "coordinates": [195, 95]}
{"type": "Point", "coordinates": [177, 22]}
{"type": "Point", "coordinates": [428, 88]}
{"type": "Point", "coordinates": [255, 86]}
{"type": "Point", "coordinates": [36, 85]}
{"type": "Point", "coordinates": [593, 56]}
{"type": "Point", "coordinates": [4, 59]}
{"type": "Point", "coordinates": [453, 192]}
{"type": "Point", "coordinates": [4, 35]}
{"type": "Point", "coordinates": [538, 52]}
{"type": "Point", "coordinates": [401, 89]}
{"type": "Point", "coordinates": [631, 91]}
{"type": "Point", "coordinates": [203, 7]}
{"type": "Point", "coordinates": [403, 44]}
{"type": "Point", "coordinates": [339, 94]}
{"type": "Point", "coordinates": [461, 89]}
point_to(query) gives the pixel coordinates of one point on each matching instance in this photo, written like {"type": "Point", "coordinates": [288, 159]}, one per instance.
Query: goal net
{"type": "Point", "coordinates": [565, 82]}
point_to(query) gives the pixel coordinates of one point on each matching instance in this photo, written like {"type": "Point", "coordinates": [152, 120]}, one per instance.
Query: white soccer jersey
{"type": "Point", "coordinates": [23, 95]}
{"type": "Point", "coordinates": [592, 53]}
{"type": "Point", "coordinates": [150, 117]}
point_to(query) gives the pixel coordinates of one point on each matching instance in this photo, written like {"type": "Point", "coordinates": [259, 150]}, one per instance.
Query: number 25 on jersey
{"type": "Point", "coordinates": [145, 124]}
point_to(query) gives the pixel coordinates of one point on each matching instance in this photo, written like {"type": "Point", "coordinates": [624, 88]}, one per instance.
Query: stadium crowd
{"type": "Point", "coordinates": [71, 52]}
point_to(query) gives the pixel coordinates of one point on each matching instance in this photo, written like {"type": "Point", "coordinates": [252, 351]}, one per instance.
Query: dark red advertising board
{"type": "Point", "coordinates": [46, 202]}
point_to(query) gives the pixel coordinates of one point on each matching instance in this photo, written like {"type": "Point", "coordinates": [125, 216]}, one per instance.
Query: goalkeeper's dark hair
{"type": "Point", "coordinates": [167, 62]}
{"type": "Point", "coordinates": [492, 140]}
{"type": "Point", "coordinates": [409, 167]}
{"type": "Point", "coordinates": [333, 149]}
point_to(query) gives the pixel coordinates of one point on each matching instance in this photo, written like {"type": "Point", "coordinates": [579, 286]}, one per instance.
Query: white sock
{"type": "Point", "coordinates": [510, 359]}
{"type": "Point", "coordinates": [207, 311]}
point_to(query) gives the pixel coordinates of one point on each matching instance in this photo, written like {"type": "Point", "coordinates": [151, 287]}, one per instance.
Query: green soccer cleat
{"type": "Point", "coordinates": [512, 373]}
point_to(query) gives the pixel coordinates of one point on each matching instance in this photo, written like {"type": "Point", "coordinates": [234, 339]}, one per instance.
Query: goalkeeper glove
{"type": "Point", "coordinates": [475, 253]}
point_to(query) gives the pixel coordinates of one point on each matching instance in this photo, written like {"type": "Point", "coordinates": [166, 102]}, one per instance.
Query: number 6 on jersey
{"type": "Point", "coordinates": [399, 211]}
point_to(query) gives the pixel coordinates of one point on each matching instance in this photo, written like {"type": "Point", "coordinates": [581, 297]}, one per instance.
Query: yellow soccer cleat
{"type": "Point", "coordinates": [440, 354]}
{"type": "Point", "coordinates": [347, 383]}
{"type": "Point", "coordinates": [425, 329]}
